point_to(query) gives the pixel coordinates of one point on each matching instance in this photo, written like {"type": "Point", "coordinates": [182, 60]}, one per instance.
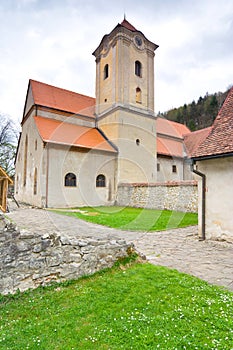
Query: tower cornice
{"type": "Point", "coordinates": [120, 32]}
{"type": "Point", "coordinates": [127, 108]}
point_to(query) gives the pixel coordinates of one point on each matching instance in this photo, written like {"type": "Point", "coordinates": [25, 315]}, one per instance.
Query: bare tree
{"type": "Point", "coordinates": [8, 141]}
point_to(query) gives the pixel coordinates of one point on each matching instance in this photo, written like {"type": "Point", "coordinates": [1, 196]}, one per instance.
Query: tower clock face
{"type": "Point", "coordinates": [138, 41]}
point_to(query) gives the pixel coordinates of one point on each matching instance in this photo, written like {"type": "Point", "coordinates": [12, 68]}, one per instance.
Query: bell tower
{"type": "Point", "coordinates": [125, 100]}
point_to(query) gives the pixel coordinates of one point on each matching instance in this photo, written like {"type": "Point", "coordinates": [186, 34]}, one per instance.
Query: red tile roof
{"type": "Point", "coordinates": [168, 127]}
{"type": "Point", "coordinates": [61, 99]}
{"type": "Point", "coordinates": [128, 25]}
{"type": "Point", "coordinates": [220, 139]}
{"type": "Point", "coordinates": [170, 137]}
{"type": "Point", "coordinates": [169, 147]}
{"type": "Point", "coordinates": [55, 131]}
{"type": "Point", "coordinates": [194, 139]}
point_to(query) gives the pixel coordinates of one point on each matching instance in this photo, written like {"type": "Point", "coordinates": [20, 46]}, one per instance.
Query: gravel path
{"type": "Point", "coordinates": [178, 249]}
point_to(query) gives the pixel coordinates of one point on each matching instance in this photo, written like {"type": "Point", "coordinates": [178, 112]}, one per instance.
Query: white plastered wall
{"type": "Point", "coordinates": [35, 159]}
{"type": "Point", "coordinates": [166, 173]}
{"type": "Point", "coordinates": [219, 194]}
{"type": "Point", "coordinates": [86, 165]}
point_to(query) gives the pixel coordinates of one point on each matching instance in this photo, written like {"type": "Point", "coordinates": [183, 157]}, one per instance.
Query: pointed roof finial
{"type": "Point", "coordinates": [128, 25]}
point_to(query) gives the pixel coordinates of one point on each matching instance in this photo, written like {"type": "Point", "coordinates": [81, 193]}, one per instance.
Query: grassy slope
{"type": "Point", "coordinates": [137, 307]}
{"type": "Point", "coordinates": [135, 219]}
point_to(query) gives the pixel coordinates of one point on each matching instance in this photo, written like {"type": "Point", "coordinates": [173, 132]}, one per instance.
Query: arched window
{"type": "Point", "coordinates": [138, 95]}
{"type": "Point", "coordinates": [70, 180]}
{"type": "Point", "coordinates": [100, 181]}
{"type": "Point", "coordinates": [25, 161]}
{"type": "Point", "coordinates": [138, 68]}
{"type": "Point", "coordinates": [106, 71]}
{"type": "Point", "coordinates": [35, 182]}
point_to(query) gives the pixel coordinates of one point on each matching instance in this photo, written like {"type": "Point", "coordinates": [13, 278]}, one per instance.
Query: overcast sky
{"type": "Point", "coordinates": [52, 41]}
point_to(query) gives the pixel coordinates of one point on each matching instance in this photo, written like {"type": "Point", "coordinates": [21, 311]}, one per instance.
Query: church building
{"type": "Point", "coordinates": [75, 150]}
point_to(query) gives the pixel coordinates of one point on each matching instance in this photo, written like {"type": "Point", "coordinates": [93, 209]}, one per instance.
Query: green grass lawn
{"type": "Point", "coordinates": [134, 219]}
{"type": "Point", "coordinates": [140, 306]}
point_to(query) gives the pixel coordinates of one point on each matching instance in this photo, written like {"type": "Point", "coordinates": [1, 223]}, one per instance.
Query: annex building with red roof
{"type": "Point", "coordinates": [76, 150]}
{"type": "Point", "coordinates": [211, 151]}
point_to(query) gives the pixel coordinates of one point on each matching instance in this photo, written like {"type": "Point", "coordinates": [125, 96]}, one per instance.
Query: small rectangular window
{"type": "Point", "coordinates": [158, 167]}
{"type": "Point", "coordinates": [138, 68]}
{"type": "Point", "coordinates": [174, 169]}
{"type": "Point", "coordinates": [106, 71]}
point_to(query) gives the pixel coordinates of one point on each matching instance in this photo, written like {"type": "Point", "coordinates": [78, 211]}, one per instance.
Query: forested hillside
{"type": "Point", "coordinates": [200, 114]}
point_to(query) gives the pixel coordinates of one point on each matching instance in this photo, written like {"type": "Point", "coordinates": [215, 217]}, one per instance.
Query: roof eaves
{"type": "Point", "coordinates": [25, 103]}
{"type": "Point", "coordinates": [109, 141]}
{"type": "Point", "coordinates": [170, 137]}
{"type": "Point", "coordinates": [63, 110]}
{"type": "Point", "coordinates": [170, 155]}
{"type": "Point", "coordinates": [79, 146]}
{"type": "Point", "coordinates": [212, 156]}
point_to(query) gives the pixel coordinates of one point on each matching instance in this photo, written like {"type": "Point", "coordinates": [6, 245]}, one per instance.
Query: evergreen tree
{"type": "Point", "coordinates": [198, 115]}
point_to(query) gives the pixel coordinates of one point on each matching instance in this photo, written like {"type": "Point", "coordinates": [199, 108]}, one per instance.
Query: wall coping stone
{"type": "Point", "coordinates": [28, 260]}
{"type": "Point", "coordinates": [159, 184]}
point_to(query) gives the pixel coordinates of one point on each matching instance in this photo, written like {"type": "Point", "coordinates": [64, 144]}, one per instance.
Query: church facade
{"type": "Point", "coordinates": [75, 150]}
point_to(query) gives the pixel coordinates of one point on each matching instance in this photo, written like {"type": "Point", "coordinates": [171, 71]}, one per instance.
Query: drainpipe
{"type": "Point", "coordinates": [47, 176]}
{"type": "Point", "coordinates": [203, 176]}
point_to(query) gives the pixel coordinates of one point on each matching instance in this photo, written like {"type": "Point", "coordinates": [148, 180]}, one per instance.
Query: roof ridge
{"type": "Point", "coordinates": [197, 144]}
{"type": "Point", "coordinates": [227, 100]}
{"type": "Point", "coordinates": [179, 128]}
{"type": "Point", "coordinates": [172, 121]}
{"type": "Point", "coordinates": [62, 99]}
{"type": "Point", "coordinates": [199, 130]}
{"type": "Point", "coordinates": [57, 87]}
{"type": "Point", "coordinates": [219, 140]}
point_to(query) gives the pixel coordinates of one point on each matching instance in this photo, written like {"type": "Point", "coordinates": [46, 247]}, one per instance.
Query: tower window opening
{"type": "Point", "coordinates": [138, 95]}
{"type": "Point", "coordinates": [138, 68]}
{"type": "Point", "coordinates": [106, 71]}
{"type": "Point", "coordinates": [137, 142]}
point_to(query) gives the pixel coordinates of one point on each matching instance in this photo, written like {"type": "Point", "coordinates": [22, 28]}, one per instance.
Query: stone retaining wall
{"type": "Point", "coordinates": [180, 196]}
{"type": "Point", "coordinates": [29, 260]}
